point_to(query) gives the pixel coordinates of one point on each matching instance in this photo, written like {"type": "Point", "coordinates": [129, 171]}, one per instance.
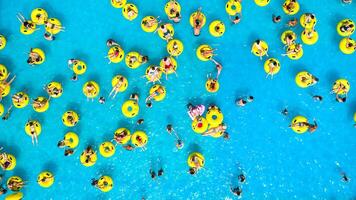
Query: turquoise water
{"type": "Point", "coordinates": [278, 163]}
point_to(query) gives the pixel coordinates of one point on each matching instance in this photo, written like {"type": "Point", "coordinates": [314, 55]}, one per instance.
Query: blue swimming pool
{"type": "Point", "coordinates": [278, 163]}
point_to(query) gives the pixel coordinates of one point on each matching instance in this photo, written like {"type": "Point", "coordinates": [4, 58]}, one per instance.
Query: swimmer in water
{"type": "Point", "coordinates": [212, 131]}
{"type": "Point", "coordinates": [28, 24]}
{"type": "Point", "coordinates": [195, 111]}
{"type": "Point", "coordinates": [153, 74]}
{"type": "Point", "coordinates": [198, 22]}
{"type": "Point", "coordinates": [49, 36]}
{"type": "Point", "coordinates": [226, 136]}
{"type": "Point", "coordinates": [292, 22]}
{"type": "Point", "coordinates": [284, 112]}
{"type": "Point", "coordinates": [237, 191]}
{"type": "Point", "coordinates": [68, 152]}
{"type": "Point", "coordinates": [102, 100]}
{"type": "Point", "coordinates": [15, 185]}
{"type": "Point", "coordinates": [151, 22]}
{"type": "Point", "coordinates": [140, 121]}
{"type": "Point", "coordinates": [344, 177]}
{"type": "Point", "coordinates": [90, 89]}
{"type": "Point", "coordinates": [290, 6]}
{"type": "Point", "coordinates": [242, 101]}
{"type": "Point", "coordinates": [347, 1]}
{"type": "Point", "coordinates": [219, 68]}
{"type": "Point", "coordinates": [167, 34]}
{"type": "Point", "coordinates": [33, 132]}
{"type": "Point", "coordinates": [4, 84]}
{"type": "Point", "coordinates": [160, 90]}
{"type": "Point", "coordinates": [317, 98]}
{"type": "Point", "coordinates": [149, 104]}
{"type": "Point", "coordinates": [341, 98]}
{"type": "Point", "coordinates": [70, 64]}
{"type": "Point", "coordinates": [160, 172]}
{"type": "Point", "coordinates": [38, 104]}
{"type": "Point", "coordinates": [295, 51]}
{"type": "Point", "coordinates": [276, 19]}
{"type": "Point", "coordinates": [52, 26]}
{"type": "Point", "coordinates": [33, 57]}
{"type": "Point", "coordinates": [235, 20]}
{"type": "Point", "coordinates": [116, 89]}
{"type": "Point", "coordinates": [153, 174]}
{"type": "Point", "coordinates": [179, 142]}
{"type": "Point", "coordinates": [129, 147]}
{"type": "Point", "coordinates": [168, 67]}
{"type": "Point", "coordinates": [192, 171]}
{"type": "Point", "coordinates": [174, 12]}
{"type": "Point", "coordinates": [260, 49]}
{"type": "Point", "coordinates": [6, 161]}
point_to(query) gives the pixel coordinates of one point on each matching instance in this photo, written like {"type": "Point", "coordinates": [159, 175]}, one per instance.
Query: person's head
{"type": "Point", "coordinates": [190, 106]}
{"type": "Point", "coordinates": [145, 59]}
{"type": "Point", "coordinates": [149, 104]}
{"type": "Point", "coordinates": [192, 171]}
{"type": "Point", "coordinates": [61, 143]}
{"type": "Point", "coordinates": [226, 136]}
{"type": "Point", "coordinates": [169, 127]}
{"type": "Point", "coordinates": [94, 182]}
{"type": "Point", "coordinates": [250, 99]}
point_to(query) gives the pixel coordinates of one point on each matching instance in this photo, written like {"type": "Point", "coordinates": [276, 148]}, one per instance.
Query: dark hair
{"type": "Point", "coordinates": [192, 171]}
{"type": "Point", "coordinates": [189, 106]}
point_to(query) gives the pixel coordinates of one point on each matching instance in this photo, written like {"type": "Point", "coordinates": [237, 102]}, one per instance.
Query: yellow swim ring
{"type": "Point", "coordinates": [175, 47]}
{"type": "Point", "coordinates": [341, 27]}
{"type": "Point", "coordinates": [45, 179]}
{"type": "Point", "coordinates": [71, 140]}
{"type": "Point", "coordinates": [70, 118]}
{"type": "Point", "coordinates": [42, 104]}
{"type": "Point", "coordinates": [41, 54]}
{"type": "Point", "coordinates": [304, 79]}
{"type": "Point", "coordinates": [53, 26]}
{"type": "Point", "coordinates": [79, 67]}
{"type": "Point", "coordinates": [91, 89]}
{"type": "Point", "coordinates": [88, 160]}
{"type": "Point", "coordinates": [123, 86]}
{"type": "Point", "coordinates": [14, 196]}
{"type": "Point", "coordinates": [2, 42]}
{"type": "Point", "coordinates": [39, 16]}
{"type": "Point", "coordinates": [130, 108]}
{"type": "Point", "coordinates": [201, 55]}
{"type": "Point", "coordinates": [54, 89]}
{"type": "Point", "coordinates": [262, 2]}
{"type": "Point", "coordinates": [107, 149]}
{"type": "Point", "coordinates": [212, 85]}
{"type": "Point", "coordinates": [347, 45]}
{"type": "Point", "coordinates": [118, 3]}
{"type": "Point", "coordinates": [298, 125]}
{"type": "Point", "coordinates": [124, 139]}
{"type": "Point", "coordinates": [170, 30]}
{"type": "Point", "coordinates": [23, 100]}
{"type": "Point", "coordinates": [171, 12]}
{"type": "Point", "coordinates": [291, 11]}
{"type": "Point", "coordinates": [116, 54]}
{"type": "Point", "coordinates": [355, 117]}
{"type": "Point", "coordinates": [139, 139]}
{"type": "Point", "coordinates": [5, 90]}
{"type": "Point", "coordinates": [2, 110]}
{"type": "Point", "coordinates": [105, 183]}
{"type": "Point", "coordinates": [130, 11]}
{"type": "Point", "coordinates": [214, 116]}
{"type": "Point", "coordinates": [289, 34]}
{"type": "Point", "coordinates": [200, 158]}
{"type": "Point", "coordinates": [255, 49]}
{"type": "Point", "coordinates": [3, 72]}
{"type": "Point", "coordinates": [217, 28]}
{"type": "Point", "coordinates": [272, 66]}
{"type": "Point", "coordinates": [295, 55]}
{"type": "Point", "coordinates": [310, 23]}
{"type": "Point", "coordinates": [28, 31]}
{"type": "Point", "coordinates": [149, 24]}
{"type": "Point", "coordinates": [233, 7]}
{"type": "Point", "coordinates": [341, 86]}
{"type": "Point", "coordinates": [171, 69]}
{"type": "Point", "coordinates": [200, 125]}
{"type": "Point", "coordinates": [137, 60]}
{"type": "Point", "coordinates": [310, 36]}
{"type": "Point", "coordinates": [11, 160]}
{"type": "Point", "coordinates": [14, 179]}
{"type": "Point", "coordinates": [37, 128]}
{"type": "Point", "coordinates": [159, 96]}
{"type": "Point", "coordinates": [201, 18]}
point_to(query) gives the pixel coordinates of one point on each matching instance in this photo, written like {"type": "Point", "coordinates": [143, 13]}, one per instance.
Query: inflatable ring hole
{"type": "Point", "coordinates": [214, 117]}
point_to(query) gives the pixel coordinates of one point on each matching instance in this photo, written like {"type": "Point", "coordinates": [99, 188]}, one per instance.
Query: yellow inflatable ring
{"type": "Point", "coordinates": [304, 79]}
{"type": "Point", "coordinates": [130, 109]}
{"type": "Point", "coordinates": [214, 116]}
{"type": "Point", "coordinates": [1, 109]}
{"type": "Point", "coordinates": [12, 161]}
{"type": "Point", "coordinates": [200, 51]}
{"type": "Point", "coordinates": [175, 47]}
{"type": "Point", "coordinates": [297, 55]}
{"type": "Point", "coordinates": [347, 45]}
{"type": "Point", "coordinates": [341, 83]}
{"type": "Point", "coordinates": [345, 22]}
{"type": "Point", "coordinates": [41, 54]}
{"type": "Point", "coordinates": [256, 51]}
{"type": "Point", "coordinates": [6, 90]}
{"type": "Point", "coordinates": [308, 24]}
{"type": "Point", "coordinates": [148, 76]}
{"type": "Point", "coordinates": [23, 102]}
{"type": "Point", "coordinates": [2, 42]}
{"type": "Point", "coordinates": [105, 183]}
{"type": "Point", "coordinates": [126, 10]}
{"type": "Point", "coordinates": [14, 196]}
{"type": "Point", "coordinates": [70, 118]}
{"type": "Point", "coordinates": [310, 40]}
{"type": "Point", "coordinates": [54, 26]}
{"type": "Point", "coordinates": [171, 12]}
{"type": "Point", "coordinates": [107, 149]}
{"type": "Point", "coordinates": [71, 140]}
{"type": "Point", "coordinates": [3, 72]}
{"type": "Point", "coordinates": [139, 139]}
{"type": "Point", "coordinates": [28, 31]}
{"type": "Point", "coordinates": [170, 29]}
{"type": "Point", "coordinates": [160, 96]}
{"type": "Point", "coordinates": [217, 28]}
{"type": "Point", "coordinates": [218, 134]}
{"type": "Point", "coordinates": [120, 54]}
{"type": "Point", "coordinates": [233, 7]}
{"type": "Point", "coordinates": [299, 129]}
{"type": "Point", "coordinates": [272, 70]}
{"type": "Point", "coordinates": [212, 85]}
{"type": "Point", "coordinates": [93, 158]}
{"type": "Point", "coordinates": [79, 67]}
{"type": "Point", "coordinates": [15, 179]}
{"type": "Point", "coordinates": [118, 3]}
{"type": "Point", "coordinates": [288, 33]}
{"type": "Point", "coordinates": [54, 89]}
{"type": "Point", "coordinates": [42, 108]}
{"type": "Point", "coordinates": [292, 11]}
{"type": "Point", "coordinates": [39, 16]}
{"type": "Point", "coordinates": [126, 138]}
{"type": "Point", "coordinates": [170, 70]}
{"type": "Point", "coordinates": [202, 19]}
{"type": "Point", "coordinates": [123, 86]}
{"type": "Point", "coordinates": [355, 117]}
{"type": "Point", "coordinates": [45, 179]}
{"type": "Point", "coordinates": [91, 93]}
{"type": "Point", "coordinates": [262, 2]}
{"type": "Point", "coordinates": [145, 26]}
{"type": "Point", "coordinates": [37, 127]}
{"type": "Point", "coordinates": [138, 60]}
{"type": "Point", "coordinates": [200, 157]}
{"type": "Point", "coordinates": [200, 127]}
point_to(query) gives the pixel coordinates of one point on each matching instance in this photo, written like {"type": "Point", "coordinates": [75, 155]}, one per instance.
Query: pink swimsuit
{"type": "Point", "coordinates": [196, 111]}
